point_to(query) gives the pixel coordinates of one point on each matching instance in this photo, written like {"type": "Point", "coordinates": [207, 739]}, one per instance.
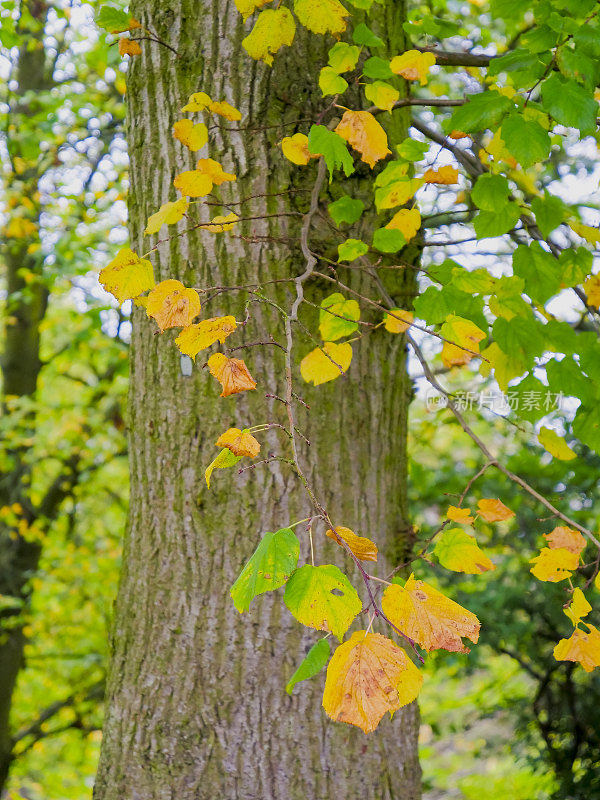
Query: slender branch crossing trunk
{"type": "Point", "coordinates": [197, 706]}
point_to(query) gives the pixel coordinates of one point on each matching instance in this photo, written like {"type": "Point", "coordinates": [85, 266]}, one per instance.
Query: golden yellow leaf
{"type": "Point", "coordinates": [241, 443]}
{"type": "Point", "coordinates": [220, 224]}
{"type": "Point", "coordinates": [555, 445]}
{"type": "Point", "coordinates": [201, 335]}
{"type": "Point", "coordinates": [321, 16]}
{"type": "Point", "coordinates": [587, 232]}
{"type": "Point", "coordinates": [362, 132]}
{"type": "Point", "coordinates": [198, 101]}
{"type": "Point", "coordinates": [462, 515]}
{"type": "Point", "coordinates": [463, 341]}
{"type": "Point", "coordinates": [167, 214]}
{"type": "Point", "coordinates": [295, 149]}
{"type": "Point", "coordinates": [413, 65]}
{"type": "Point", "coordinates": [578, 607]}
{"type": "Point", "coordinates": [567, 539]}
{"type": "Point", "coordinates": [127, 275]}
{"type": "Point", "coordinates": [429, 617]}
{"type": "Point", "coordinates": [128, 47]}
{"type": "Point", "coordinates": [247, 7]}
{"type": "Point", "coordinates": [368, 676]}
{"type": "Point", "coordinates": [212, 168]}
{"type": "Point", "coordinates": [398, 320]}
{"type": "Point", "coordinates": [364, 549]}
{"type": "Point", "coordinates": [225, 110]}
{"type": "Point", "coordinates": [193, 136]}
{"type": "Point", "coordinates": [591, 287]}
{"type": "Point", "coordinates": [444, 175]}
{"type": "Point", "coordinates": [326, 363]}
{"type": "Point", "coordinates": [382, 95]}
{"type": "Point", "coordinates": [172, 305]}
{"type": "Point", "coordinates": [554, 565]}
{"type": "Point", "coordinates": [232, 374]}
{"type": "Point", "coordinates": [397, 193]}
{"type": "Point", "coordinates": [407, 221]}
{"type": "Point", "coordinates": [273, 29]}
{"type": "Point", "coordinates": [193, 183]}
{"type": "Point", "coordinates": [492, 510]}
{"type": "Point", "coordinates": [581, 647]}
{"type": "Point", "coordinates": [458, 550]}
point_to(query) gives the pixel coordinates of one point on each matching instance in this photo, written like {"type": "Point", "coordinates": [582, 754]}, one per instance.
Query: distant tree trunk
{"type": "Point", "coordinates": [197, 706]}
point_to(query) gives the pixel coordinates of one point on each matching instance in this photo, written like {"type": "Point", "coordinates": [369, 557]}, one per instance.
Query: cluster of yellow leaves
{"type": "Point", "coordinates": [200, 101]}
{"type": "Point", "coordinates": [364, 549]}
{"type": "Point", "coordinates": [200, 181]}
{"type": "Point", "coordinates": [413, 65]}
{"type": "Point", "coordinates": [558, 560]}
{"type": "Point", "coordinates": [362, 132]}
{"type": "Point", "coordinates": [232, 374]}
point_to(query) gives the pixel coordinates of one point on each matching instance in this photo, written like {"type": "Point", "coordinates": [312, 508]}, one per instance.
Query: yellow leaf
{"type": "Point", "coordinates": [555, 445]}
{"type": "Point", "coordinates": [582, 647]}
{"type": "Point", "coordinates": [462, 515]}
{"type": "Point", "coordinates": [566, 538]}
{"type": "Point", "coordinates": [397, 193]}
{"type": "Point", "coordinates": [273, 29]}
{"type": "Point", "coordinates": [193, 183]}
{"type": "Point", "coordinates": [212, 168]}
{"type": "Point", "coordinates": [241, 443]}
{"type": "Point", "coordinates": [200, 101]}
{"type": "Point", "coordinates": [295, 149]}
{"type": "Point", "coordinates": [587, 232]}
{"type": "Point", "coordinates": [225, 110]}
{"type": "Point", "coordinates": [19, 228]}
{"type": "Point", "coordinates": [407, 221]}
{"type": "Point", "coordinates": [578, 608]}
{"type": "Point", "coordinates": [364, 549]}
{"type": "Point", "coordinates": [554, 565]}
{"type": "Point", "coordinates": [220, 224]}
{"type": "Point", "coordinates": [382, 95]}
{"type": "Point", "coordinates": [326, 363]}
{"type": "Point", "coordinates": [321, 16]}
{"type": "Point", "coordinates": [368, 676]}
{"type": "Point", "coordinates": [167, 214]}
{"type": "Point", "coordinates": [247, 7]}
{"type": "Point", "coordinates": [172, 305]}
{"type": "Point", "coordinates": [201, 335]}
{"type": "Point", "coordinates": [232, 374]}
{"type": "Point", "coordinates": [127, 47]}
{"type": "Point", "coordinates": [362, 132]}
{"type": "Point", "coordinates": [591, 287]}
{"type": "Point", "coordinates": [463, 336]}
{"type": "Point", "coordinates": [413, 65]}
{"type": "Point", "coordinates": [444, 175]}
{"type": "Point", "coordinates": [429, 617]}
{"type": "Point", "coordinates": [127, 275]}
{"type": "Point", "coordinates": [457, 550]}
{"type": "Point", "coordinates": [492, 510]}
{"type": "Point", "coordinates": [395, 325]}
{"type": "Point", "coordinates": [192, 136]}
{"type": "Point", "coordinates": [224, 460]}
{"type": "Point", "coordinates": [497, 149]}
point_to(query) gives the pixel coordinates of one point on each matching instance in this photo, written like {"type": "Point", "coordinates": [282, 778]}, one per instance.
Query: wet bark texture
{"type": "Point", "coordinates": [197, 706]}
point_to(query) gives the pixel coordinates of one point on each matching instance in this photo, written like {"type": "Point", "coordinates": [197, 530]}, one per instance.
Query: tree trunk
{"type": "Point", "coordinates": [197, 706]}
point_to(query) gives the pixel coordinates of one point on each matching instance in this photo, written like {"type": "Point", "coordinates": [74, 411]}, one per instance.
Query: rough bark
{"type": "Point", "coordinates": [196, 705]}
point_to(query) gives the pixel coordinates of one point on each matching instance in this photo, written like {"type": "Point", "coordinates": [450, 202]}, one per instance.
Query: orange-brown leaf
{"type": "Point", "coordinates": [362, 132]}
{"type": "Point", "coordinates": [129, 47]}
{"type": "Point", "coordinates": [364, 549]}
{"type": "Point", "coordinates": [567, 538]}
{"type": "Point", "coordinates": [462, 515]}
{"type": "Point", "coordinates": [492, 510]}
{"type": "Point", "coordinates": [241, 443]}
{"type": "Point", "coordinates": [368, 676]}
{"type": "Point", "coordinates": [232, 374]}
{"type": "Point", "coordinates": [444, 175]}
{"type": "Point", "coordinates": [429, 617]}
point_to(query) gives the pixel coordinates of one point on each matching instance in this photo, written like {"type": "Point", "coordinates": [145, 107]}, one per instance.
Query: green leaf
{"type": "Point", "coordinates": [549, 212]}
{"type": "Point", "coordinates": [331, 83]}
{"type": "Point", "coordinates": [520, 60]}
{"type": "Point", "coordinates": [586, 426]}
{"type": "Point", "coordinates": [352, 249]}
{"type": "Point", "coordinates": [490, 193]}
{"type": "Point", "coordinates": [412, 150]}
{"type": "Point", "coordinates": [224, 460]}
{"type": "Point", "coordinates": [496, 223]}
{"type": "Point", "coordinates": [587, 40]}
{"type": "Point", "coordinates": [377, 68]}
{"type": "Point", "coordinates": [388, 240]}
{"type": "Point", "coordinates": [268, 568]}
{"type": "Point", "coordinates": [311, 665]}
{"type": "Point", "coordinates": [526, 140]}
{"type": "Point", "coordinates": [343, 57]}
{"type": "Point", "coordinates": [322, 598]}
{"type": "Point", "coordinates": [521, 338]}
{"type": "Point", "coordinates": [365, 36]}
{"type": "Point", "coordinates": [434, 305]}
{"type": "Point", "coordinates": [346, 209]}
{"type": "Point", "coordinates": [476, 281]}
{"type": "Point", "coordinates": [575, 265]}
{"type": "Point", "coordinates": [326, 143]}
{"type": "Point", "coordinates": [482, 111]}
{"type": "Point", "coordinates": [576, 65]}
{"type": "Point", "coordinates": [112, 19]}
{"type": "Point", "coordinates": [570, 104]}
{"type": "Point", "coordinates": [332, 327]}
{"type": "Point", "coordinates": [540, 271]}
